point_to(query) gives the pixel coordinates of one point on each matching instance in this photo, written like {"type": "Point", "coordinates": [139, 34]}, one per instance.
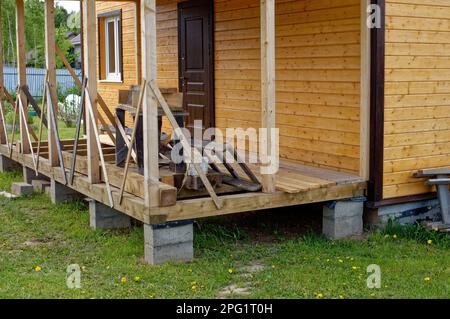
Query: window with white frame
{"type": "Point", "coordinates": [113, 61]}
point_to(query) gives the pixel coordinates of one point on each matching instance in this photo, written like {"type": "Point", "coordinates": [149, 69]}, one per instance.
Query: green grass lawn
{"type": "Point", "coordinates": [65, 132]}
{"type": "Point", "coordinates": [39, 240]}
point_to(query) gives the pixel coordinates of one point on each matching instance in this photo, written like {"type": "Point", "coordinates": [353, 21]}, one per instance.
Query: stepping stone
{"type": "Point", "coordinates": [8, 195]}
{"type": "Point", "coordinates": [40, 186]}
{"type": "Point", "coordinates": [21, 189]}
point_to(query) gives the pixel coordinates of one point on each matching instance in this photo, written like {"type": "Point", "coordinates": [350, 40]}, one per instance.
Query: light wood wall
{"type": "Point", "coordinates": [318, 73]}
{"type": "Point", "coordinates": [417, 124]}
{"type": "Point", "coordinates": [318, 76]}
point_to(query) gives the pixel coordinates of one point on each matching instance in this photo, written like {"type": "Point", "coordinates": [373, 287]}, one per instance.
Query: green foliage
{"type": "Point", "coordinates": [35, 32]}
{"type": "Point", "coordinates": [417, 233]}
{"type": "Point", "coordinates": [61, 16]}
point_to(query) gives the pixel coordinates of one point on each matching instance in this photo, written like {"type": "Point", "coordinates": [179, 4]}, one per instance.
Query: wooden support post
{"type": "Point", "coordinates": [267, 86]}
{"type": "Point", "coordinates": [150, 111]}
{"type": "Point", "coordinates": [364, 167]}
{"type": "Point", "coordinates": [51, 74]}
{"type": "Point", "coordinates": [3, 132]}
{"type": "Point", "coordinates": [90, 72]}
{"type": "Point", "coordinates": [22, 71]}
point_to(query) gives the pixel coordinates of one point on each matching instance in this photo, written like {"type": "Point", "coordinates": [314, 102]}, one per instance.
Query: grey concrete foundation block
{"type": "Point", "coordinates": [105, 217]}
{"type": "Point", "coordinates": [172, 243]}
{"type": "Point", "coordinates": [60, 193]}
{"type": "Point", "coordinates": [29, 175]}
{"type": "Point", "coordinates": [40, 186]}
{"type": "Point", "coordinates": [343, 219]}
{"type": "Point", "coordinates": [8, 165]}
{"type": "Point", "coordinates": [21, 189]}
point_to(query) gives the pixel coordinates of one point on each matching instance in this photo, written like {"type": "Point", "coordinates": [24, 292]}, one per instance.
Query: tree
{"type": "Point", "coordinates": [35, 31]}
{"type": "Point", "coordinates": [61, 16]}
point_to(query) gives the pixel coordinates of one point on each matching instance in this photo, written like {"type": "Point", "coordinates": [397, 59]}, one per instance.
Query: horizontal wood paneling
{"type": "Point", "coordinates": [318, 73]}
{"type": "Point", "coordinates": [318, 76]}
{"type": "Point", "coordinates": [417, 128]}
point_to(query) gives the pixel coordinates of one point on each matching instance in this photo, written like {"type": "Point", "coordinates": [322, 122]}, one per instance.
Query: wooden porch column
{"type": "Point", "coordinates": [90, 71]}
{"type": "Point", "coordinates": [22, 71]}
{"type": "Point", "coordinates": [2, 104]}
{"type": "Point", "coordinates": [51, 72]}
{"type": "Point", "coordinates": [268, 83]}
{"type": "Point", "coordinates": [150, 112]}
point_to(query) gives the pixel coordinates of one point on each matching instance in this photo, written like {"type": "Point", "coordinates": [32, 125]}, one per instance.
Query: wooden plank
{"type": "Point", "coordinates": [52, 97]}
{"type": "Point", "coordinates": [27, 135]}
{"type": "Point", "coordinates": [3, 131]}
{"type": "Point", "coordinates": [91, 116]}
{"type": "Point", "coordinates": [268, 110]}
{"type": "Point", "coordinates": [201, 208]}
{"type": "Point", "coordinates": [21, 70]}
{"type": "Point", "coordinates": [90, 72]}
{"type": "Point", "coordinates": [150, 110]}
{"type": "Point", "coordinates": [77, 132]}
{"type": "Point", "coordinates": [55, 133]}
{"type": "Point", "coordinates": [124, 135]}
{"type": "Point", "coordinates": [133, 138]}
{"type": "Point", "coordinates": [197, 157]}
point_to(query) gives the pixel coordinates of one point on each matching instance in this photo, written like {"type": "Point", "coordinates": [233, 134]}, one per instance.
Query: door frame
{"type": "Point", "coordinates": [211, 49]}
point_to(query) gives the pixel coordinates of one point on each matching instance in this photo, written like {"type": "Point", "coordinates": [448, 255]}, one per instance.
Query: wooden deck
{"type": "Point", "coordinates": [296, 184]}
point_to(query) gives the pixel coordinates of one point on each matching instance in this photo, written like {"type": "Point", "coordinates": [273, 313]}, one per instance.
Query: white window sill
{"type": "Point", "coordinates": [110, 81]}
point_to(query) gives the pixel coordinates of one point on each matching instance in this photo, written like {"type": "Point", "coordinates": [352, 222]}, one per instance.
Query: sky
{"type": "Point", "coordinates": [70, 6]}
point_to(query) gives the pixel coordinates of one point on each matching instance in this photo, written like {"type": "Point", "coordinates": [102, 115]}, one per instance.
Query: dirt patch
{"type": "Point", "coordinates": [36, 243]}
{"type": "Point", "coordinates": [244, 289]}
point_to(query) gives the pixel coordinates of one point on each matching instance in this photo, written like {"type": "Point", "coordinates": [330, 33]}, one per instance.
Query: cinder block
{"type": "Point", "coordinates": [22, 189]}
{"type": "Point", "coordinates": [40, 186]}
{"type": "Point", "coordinates": [343, 219]}
{"type": "Point", "coordinates": [105, 217]}
{"type": "Point", "coordinates": [60, 193]}
{"type": "Point", "coordinates": [8, 165]}
{"type": "Point", "coordinates": [29, 175]}
{"type": "Point", "coordinates": [169, 242]}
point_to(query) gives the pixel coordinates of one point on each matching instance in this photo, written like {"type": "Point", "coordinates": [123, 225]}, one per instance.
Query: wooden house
{"type": "Point", "coordinates": [358, 90]}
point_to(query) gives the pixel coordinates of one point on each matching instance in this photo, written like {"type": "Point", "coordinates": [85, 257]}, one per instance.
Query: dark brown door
{"type": "Point", "coordinates": [196, 60]}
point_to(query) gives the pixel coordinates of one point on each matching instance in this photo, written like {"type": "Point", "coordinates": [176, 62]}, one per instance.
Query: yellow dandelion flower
{"type": "Point", "coordinates": [355, 267]}
{"type": "Point", "coordinates": [341, 297]}
{"type": "Point", "coordinates": [230, 270]}
{"type": "Point", "coordinates": [395, 237]}
{"type": "Point", "coordinates": [137, 278]}
{"type": "Point", "coordinates": [37, 269]}
{"type": "Point", "coordinates": [194, 287]}
{"type": "Point", "coordinates": [427, 279]}
{"type": "Point", "coordinates": [83, 268]}
{"type": "Point", "coordinates": [123, 280]}
{"type": "Point", "coordinates": [319, 296]}
{"type": "Point", "coordinates": [430, 242]}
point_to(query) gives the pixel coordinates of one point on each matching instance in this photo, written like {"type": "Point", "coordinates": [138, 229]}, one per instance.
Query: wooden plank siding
{"type": "Point", "coordinates": [318, 62]}
{"type": "Point", "coordinates": [417, 101]}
